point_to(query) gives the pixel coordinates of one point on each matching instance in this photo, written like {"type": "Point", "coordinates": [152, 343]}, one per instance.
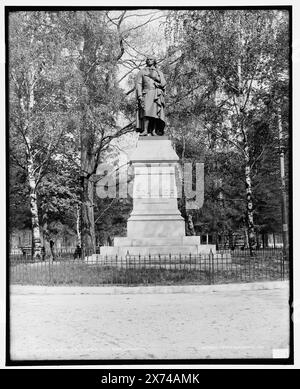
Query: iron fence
{"type": "Point", "coordinates": [65, 268]}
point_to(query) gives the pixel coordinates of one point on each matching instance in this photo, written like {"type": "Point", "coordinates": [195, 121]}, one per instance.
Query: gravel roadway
{"type": "Point", "coordinates": [190, 325]}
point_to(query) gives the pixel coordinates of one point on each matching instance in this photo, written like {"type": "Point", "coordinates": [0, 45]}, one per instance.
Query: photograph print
{"type": "Point", "coordinates": [149, 185]}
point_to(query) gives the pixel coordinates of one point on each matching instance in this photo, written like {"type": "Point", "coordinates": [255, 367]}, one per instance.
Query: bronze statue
{"type": "Point", "coordinates": [150, 93]}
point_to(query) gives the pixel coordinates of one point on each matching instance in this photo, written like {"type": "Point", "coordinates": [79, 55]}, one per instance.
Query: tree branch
{"type": "Point", "coordinates": [15, 160]}
{"type": "Point", "coordinates": [143, 24]}
{"type": "Point", "coordinates": [102, 213]}
{"type": "Point", "coordinates": [258, 157]}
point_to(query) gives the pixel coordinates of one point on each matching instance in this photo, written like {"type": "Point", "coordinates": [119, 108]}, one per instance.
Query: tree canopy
{"type": "Point", "coordinates": [71, 82]}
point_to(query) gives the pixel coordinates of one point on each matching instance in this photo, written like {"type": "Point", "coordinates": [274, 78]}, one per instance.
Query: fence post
{"type": "Point", "coordinates": [50, 269]}
{"type": "Point", "coordinates": [126, 268]}
{"type": "Point", "coordinates": [211, 266]}
{"type": "Point", "coordinates": [249, 263]}
{"type": "Point", "coordinates": [282, 267]}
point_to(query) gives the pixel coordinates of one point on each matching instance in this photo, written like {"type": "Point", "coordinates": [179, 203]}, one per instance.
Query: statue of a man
{"type": "Point", "coordinates": [150, 93]}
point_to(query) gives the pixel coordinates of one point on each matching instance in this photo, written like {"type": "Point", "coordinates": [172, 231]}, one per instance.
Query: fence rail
{"type": "Point", "coordinates": [92, 269]}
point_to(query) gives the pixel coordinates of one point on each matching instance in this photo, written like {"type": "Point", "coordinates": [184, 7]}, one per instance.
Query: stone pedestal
{"type": "Point", "coordinates": [155, 225]}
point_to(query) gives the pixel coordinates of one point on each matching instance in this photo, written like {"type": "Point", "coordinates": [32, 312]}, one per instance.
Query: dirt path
{"type": "Point", "coordinates": [233, 324]}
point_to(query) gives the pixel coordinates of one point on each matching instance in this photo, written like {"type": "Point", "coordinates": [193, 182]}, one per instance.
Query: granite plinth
{"type": "Point", "coordinates": [155, 210]}
{"type": "Point", "coordinates": [154, 149]}
{"type": "Point", "coordinates": [154, 226]}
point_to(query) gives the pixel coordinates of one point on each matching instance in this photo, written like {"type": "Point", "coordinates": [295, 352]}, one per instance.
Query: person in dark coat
{"type": "Point", "coordinates": [77, 252]}
{"type": "Point", "coordinates": [52, 249]}
{"type": "Point", "coordinates": [43, 252]}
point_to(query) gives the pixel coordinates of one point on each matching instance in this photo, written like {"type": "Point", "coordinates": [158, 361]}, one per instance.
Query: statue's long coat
{"type": "Point", "coordinates": [153, 96]}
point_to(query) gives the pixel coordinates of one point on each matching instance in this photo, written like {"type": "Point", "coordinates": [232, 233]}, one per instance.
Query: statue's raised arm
{"type": "Point", "coordinates": [150, 94]}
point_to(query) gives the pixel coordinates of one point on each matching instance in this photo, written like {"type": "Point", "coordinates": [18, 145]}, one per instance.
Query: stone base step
{"type": "Point", "coordinates": [159, 249]}
{"type": "Point", "coordinates": [156, 241]}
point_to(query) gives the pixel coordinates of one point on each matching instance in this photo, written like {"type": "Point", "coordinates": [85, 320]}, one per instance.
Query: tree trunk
{"type": "Point", "coordinates": [265, 240]}
{"type": "Point", "coordinates": [88, 238]}
{"type": "Point", "coordinates": [241, 104]}
{"type": "Point", "coordinates": [78, 229]}
{"type": "Point", "coordinates": [36, 237]}
{"type": "Point", "coordinates": [249, 205]}
{"type": "Point", "coordinates": [285, 234]}
{"type": "Point", "coordinates": [87, 141]}
{"type": "Point", "coordinates": [191, 228]}
{"type": "Point", "coordinates": [45, 232]}
{"type": "Point", "coordinates": [231, 243]}
{"type": "Point", "coordinates": [183, 196]}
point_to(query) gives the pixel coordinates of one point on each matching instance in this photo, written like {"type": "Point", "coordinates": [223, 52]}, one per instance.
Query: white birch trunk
{"type": "Point", "coordinates": [249, 201]}
{"type": "Point", "coordinates": [248, 181]}
{"type": "Point", "coordinates": [284, 211]}
{"type": "Point", "coordinates": [36, 237]}
{"type": "Point", "coordinates": [78, 218]}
